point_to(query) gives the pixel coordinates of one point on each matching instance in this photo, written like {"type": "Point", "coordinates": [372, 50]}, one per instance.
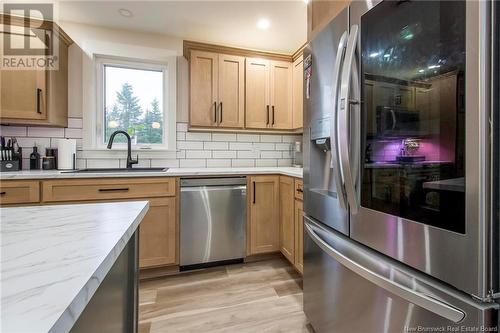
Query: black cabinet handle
{"type": "Point", "coordinates": [273, 115]}
{"type": "Point", "coordinates": [3, 193]}
{"type": "Point", "coordinates": [38, 94]}
{"type": "Point", "coordinates": [215, 112]}
{"type": "Point", "coordinates": [267, 121]}
{"type": "Point", "coordinates": [300, 190]}
{"type": "Point", "coordinates": [120, 189]}
{"type": "Point", "coordinates": [254, 195]}
{"type": "Point", "coordinates": [220, 118]}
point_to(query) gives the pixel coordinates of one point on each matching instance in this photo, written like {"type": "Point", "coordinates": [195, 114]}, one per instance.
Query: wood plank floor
{"type": "Point", "coordinates": [255, 297]}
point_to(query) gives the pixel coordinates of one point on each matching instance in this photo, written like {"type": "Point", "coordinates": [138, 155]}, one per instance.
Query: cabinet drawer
{"type": "Point", "coordinates": [107, 189]}
{"type": "Point", "coordinates": [19, 192]}
{"type": "Point", "coordinates": [299, 189]}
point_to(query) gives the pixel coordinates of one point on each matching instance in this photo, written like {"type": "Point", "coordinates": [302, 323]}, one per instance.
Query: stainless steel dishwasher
{"type": "Point", "coordinates": [212, 222]}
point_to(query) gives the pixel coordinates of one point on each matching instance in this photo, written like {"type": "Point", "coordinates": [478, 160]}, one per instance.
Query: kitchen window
{"type": "Point", "coordinates": [138, 98]}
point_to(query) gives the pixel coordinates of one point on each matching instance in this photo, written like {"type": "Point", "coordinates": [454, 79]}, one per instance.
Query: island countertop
{"type": "Point", "coordinates": [53, 259]}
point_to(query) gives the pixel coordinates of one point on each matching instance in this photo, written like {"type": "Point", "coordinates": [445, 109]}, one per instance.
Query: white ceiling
{"type": "Point", "coordinates": [231, 23]}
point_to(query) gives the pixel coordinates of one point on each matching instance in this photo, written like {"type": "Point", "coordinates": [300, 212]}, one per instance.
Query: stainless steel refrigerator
{"type": "Point", "coordinates": [401, 168]}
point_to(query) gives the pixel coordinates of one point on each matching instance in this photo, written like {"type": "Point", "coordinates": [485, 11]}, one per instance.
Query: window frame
{"type": "Point", "coordinates": [168, 70]}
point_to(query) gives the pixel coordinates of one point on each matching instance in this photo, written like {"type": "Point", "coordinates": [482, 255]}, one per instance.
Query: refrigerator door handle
{"type": "Point", "coordinates": [406, 292]}
{"type": "Point", "coordinates": [344, 134]}
{"type": "Point", "coordinates": [334, 163]}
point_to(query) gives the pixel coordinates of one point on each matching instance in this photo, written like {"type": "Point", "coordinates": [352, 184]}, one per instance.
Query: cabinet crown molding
{"type": "Point", "coordinates": [249, 53]}
{"type": "Point", "coordinates": [21, 21]}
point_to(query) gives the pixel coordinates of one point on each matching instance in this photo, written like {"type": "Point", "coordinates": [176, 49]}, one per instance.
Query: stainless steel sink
{"type": "Point", "coordinates": [110, 170]}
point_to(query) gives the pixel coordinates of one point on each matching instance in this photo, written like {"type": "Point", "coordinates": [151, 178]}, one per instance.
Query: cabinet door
{"type": "Point", "coordinates": [299, 235]}
{"type": "Point", "coordinates": [257, 93]}
{"type": "Point", "coordinates": [263, 228]}
{"type": "Point", "coordinates": [287, 220]}
{"type": "Point", "coordinates": [23, 92]}
{"type": "Point", "coordinates": [298, 91]}
{"type": "Point", "coordinates": [203, 89]}
{"type": "Point", "coordinates": [231, 91]}
{"type": "Point", "coordinates": [158, 234]}
{"type": "Point", "coordinates": [281, 95]}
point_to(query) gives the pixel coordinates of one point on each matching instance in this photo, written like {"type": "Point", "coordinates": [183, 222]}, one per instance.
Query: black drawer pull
{"type": "Point", "coordinates": [300, 190]}
{"type": "Point", "coordinates": [3, 193]}
{"type": "Point", "coordinates": [121, 189]}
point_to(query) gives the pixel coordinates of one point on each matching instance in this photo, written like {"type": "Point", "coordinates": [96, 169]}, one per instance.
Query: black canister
{"type": "Point", "coordinates": [48, 163]}
{"type": "Point", "coordinates": [52, 152]}
{"type": "Point", "coordinates": [35, 159]}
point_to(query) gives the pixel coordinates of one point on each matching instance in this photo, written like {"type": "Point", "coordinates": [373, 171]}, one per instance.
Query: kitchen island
{"type": "Point", "coordinates": [70, 267]}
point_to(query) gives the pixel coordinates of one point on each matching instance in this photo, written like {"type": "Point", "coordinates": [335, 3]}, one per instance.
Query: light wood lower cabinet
{"type": "Point", "coordinates": [158, 231]}
{"type": "Point", "coordinates": [292, 221]}
{"type": "Point", "coordinates": [299, 236]}
{"type": "Point", "coordinates": [106, 189]}
{"type": "Point", "coordinates": [287, 221]}
{"type": "Point", "coordinates": [16, 192]}
{"type": "Point", "coordinates": [263, 232]}
{"type": "Point", "coordinates": [157, 234]}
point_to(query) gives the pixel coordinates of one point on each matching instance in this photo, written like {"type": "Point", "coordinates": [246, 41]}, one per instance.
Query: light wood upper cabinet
{"type": "Point", "coordinates": [36, 97]}
{"type": "Point", "coordinates": [287, 220]}
{"type": "Point", "coordinates": [297, 92]}
{"type": "Point", "coordinates": [281, 95]}
{"type": "Point", "coordinates": [203, 88]}
{"type": "Point", "coordinates": [231, 91]}
{"type": "Point", "coordinates": [240, 90]}
{"type": "Point", "coordinates": [268, 94]}
{"type": "Point", "coordinates": [257, 86]}
{"type": "Point", "coordinates": [321, 12]}
{"type": "Point", "coordinates": [263, 234]}
{"type": "Point", "coordinates": [157, 234]}
{"type": "Point", "coordinates": [23, 94]}
{"type": "Point", "coordinates": [299, 236]}
{"type": "Point", "coordinates": [216, 90]}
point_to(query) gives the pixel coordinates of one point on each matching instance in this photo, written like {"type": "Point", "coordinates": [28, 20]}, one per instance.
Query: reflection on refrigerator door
{"type": "Point", "coordinates": [350, 288]}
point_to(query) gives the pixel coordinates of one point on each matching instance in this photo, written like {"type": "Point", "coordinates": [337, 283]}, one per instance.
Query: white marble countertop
{"type": "Point", "coordinates": [51, 174]}
{"type": "Point", "coordinates": [53, 258]}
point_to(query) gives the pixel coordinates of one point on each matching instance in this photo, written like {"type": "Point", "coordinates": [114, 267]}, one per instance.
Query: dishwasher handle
{"type": "Point", "coordinates": [213, 188]}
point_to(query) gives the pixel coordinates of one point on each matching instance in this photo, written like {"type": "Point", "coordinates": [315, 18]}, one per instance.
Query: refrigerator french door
{"type": "Point", "coordinates": [422, 197]}
{"type": "Point", "coordinates": [407, 92]}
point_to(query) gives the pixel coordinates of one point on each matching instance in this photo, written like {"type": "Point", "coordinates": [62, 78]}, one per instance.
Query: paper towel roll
{"type": "Point", "coordinates": [66, 154]}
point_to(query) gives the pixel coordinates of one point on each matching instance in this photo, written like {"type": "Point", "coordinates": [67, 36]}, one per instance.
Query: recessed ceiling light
{"type": "Point", "coordinates": [263, 24]}
{"type": "Point", "coordinates": [125, 12]}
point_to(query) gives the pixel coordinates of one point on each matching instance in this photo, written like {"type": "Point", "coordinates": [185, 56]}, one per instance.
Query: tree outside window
{"type": "Point", "coordinates": [133, 103]}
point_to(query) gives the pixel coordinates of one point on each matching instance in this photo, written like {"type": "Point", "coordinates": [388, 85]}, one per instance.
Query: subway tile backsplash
{"type": "Point", "coordinates": [194, 149]}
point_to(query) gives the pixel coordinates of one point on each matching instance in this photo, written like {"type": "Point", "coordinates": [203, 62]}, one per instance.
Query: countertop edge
{"type": "Point", "coordinates": [174, 172]}
{"type": "Point", "coordinates": [69, 317]}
